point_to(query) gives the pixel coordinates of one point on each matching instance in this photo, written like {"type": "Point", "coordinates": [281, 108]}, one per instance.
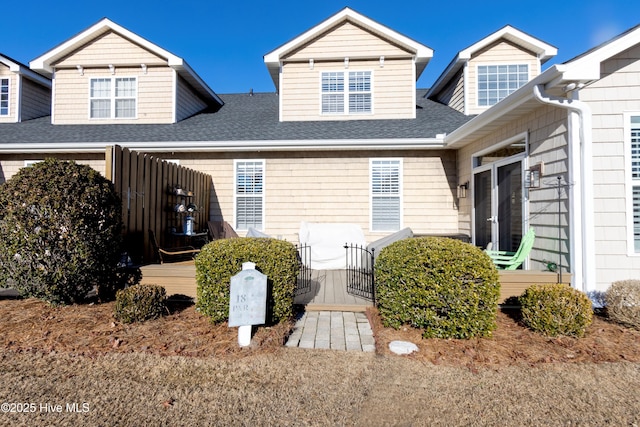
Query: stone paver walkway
{"type": "Point", "coordinates": [335, 330]}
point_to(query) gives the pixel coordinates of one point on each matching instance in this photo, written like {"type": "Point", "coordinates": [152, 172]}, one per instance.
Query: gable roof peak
{"type": "Point", "coordinates": [422, 53]}
{"type": "Point", "coordinates": [543, 50]}
{"type": "Point", "coordinates": [44, 64]}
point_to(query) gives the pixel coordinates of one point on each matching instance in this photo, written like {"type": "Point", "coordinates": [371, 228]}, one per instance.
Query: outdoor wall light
{"type": "Point", "coordinates": [462, 190]}
{"type": "Point", "coordinates": [532, 178]}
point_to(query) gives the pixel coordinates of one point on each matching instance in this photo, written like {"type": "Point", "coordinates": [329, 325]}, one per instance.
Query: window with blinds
{"type": "Point", "coordinates": [635, 178]}
{"type": "Point", "coordinates": [386, 187]}
{"type": "Point", "coordinates": [4, 97]}
{"type": "Point", "coordinates": [249, 194]}
{"type": "Point", "coordinates": [356, 94]}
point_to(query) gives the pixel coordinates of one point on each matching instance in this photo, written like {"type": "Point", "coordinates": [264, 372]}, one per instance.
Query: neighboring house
{"type": "Point", "coordinates": [24, 94]}
{"type": "Point", "coordinates": [347, 138]}
{"type": "Point", "coordinates": [579, 122]}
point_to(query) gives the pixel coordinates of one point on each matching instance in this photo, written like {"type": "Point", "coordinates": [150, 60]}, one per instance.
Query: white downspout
{"type": "Point", "coordinates": [582, 223]}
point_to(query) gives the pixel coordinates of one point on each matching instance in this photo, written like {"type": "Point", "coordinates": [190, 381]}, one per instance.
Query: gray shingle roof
{"type": "Point", "coordinates": [242, 118]}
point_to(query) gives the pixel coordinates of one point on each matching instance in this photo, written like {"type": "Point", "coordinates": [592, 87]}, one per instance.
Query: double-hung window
{"type": "Point", "coordinates": [112, 97]}
{"type": "Point", "coordinates": [386, 190]}
{"type": "Point", "coordinates": [634, 146]}
{"type": "Point", "coordinates": [354, 94]}
{"type": "Point", "coordinates": [249, 194]}
{"type": "Point", "coordinates": [496, 82]}
{"type": "Point", "coordinates": [4, 97]}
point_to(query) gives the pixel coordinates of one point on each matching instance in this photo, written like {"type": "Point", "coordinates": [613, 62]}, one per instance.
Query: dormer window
{"type": "Point", "coordinates": [496, 82]}
{"type": "Point", "coordinates": [356, 94]}
{"type": "Point", "coordinates": [4, 97]}
{"type": "Point", "coordinates": [113, 97]}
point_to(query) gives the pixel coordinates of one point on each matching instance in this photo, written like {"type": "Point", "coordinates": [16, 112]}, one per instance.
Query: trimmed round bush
{"type": "Point", "coordinates": [556, 309]}
{"type": "Point", "coordinates": [139, 303]}
{"type": "Point", "coordinates": [622, 301]}
{"type": "Point", "coordinates": [221, 259]}
{"type": "Point", "coordinates": [60, 231]}
{"type": "Point", "coordinates": [445, 287]}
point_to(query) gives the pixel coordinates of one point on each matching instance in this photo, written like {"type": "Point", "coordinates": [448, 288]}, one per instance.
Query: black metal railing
{"type": "Point", "coordinates": [359, 271]}
{"type": "Point", "coordinates": [303, 284]}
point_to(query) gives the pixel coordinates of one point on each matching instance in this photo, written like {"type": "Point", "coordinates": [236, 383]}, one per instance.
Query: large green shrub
{"type": "Point", "coordinates": [556, 309]}
{"type": "Point", "coordinates": [60, 231]}
{"type": "Point", "coordinates": [221, 259]}
{"type": "Point", "coordinates": [444, 286]}
{"type": "Point", "coordinates": [139, 303]}
{"type": "Point", "coordinates": [622, 301]}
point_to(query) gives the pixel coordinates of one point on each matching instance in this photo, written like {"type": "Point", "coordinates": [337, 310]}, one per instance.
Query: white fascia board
{"type": "Point", "coordinates": [542, 49]}
{"type": "Point", "coordinates": [18, 68]}
{"type": "Point", "coordinates": [289, 145]}
{"type": "Point", "coordinates": [422, 53]}
{"type": "Point", "coordinates": [229, 146]}
{"type": "Point", "coordinates": [182, 66]}
{"type": "Point", "coordinates": [446, 75]}
{"type": "Point", "coordinates": [44, 61]}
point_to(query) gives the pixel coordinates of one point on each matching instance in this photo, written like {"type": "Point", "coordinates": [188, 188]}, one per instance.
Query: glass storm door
{"type": "Point", "coordinates": [498, 205]}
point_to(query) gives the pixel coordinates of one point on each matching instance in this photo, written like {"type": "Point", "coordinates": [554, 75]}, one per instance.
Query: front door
{"type": "Point", "coordinates": [498, 204]}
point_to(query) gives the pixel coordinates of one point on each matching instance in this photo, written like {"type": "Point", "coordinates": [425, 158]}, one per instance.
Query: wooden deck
{"type": "Point", "coordinates": [514, 282]}
{"type": "Point", "coordinates": [329, 292]}
{"type": "Point", "coordinates": [328, 288]}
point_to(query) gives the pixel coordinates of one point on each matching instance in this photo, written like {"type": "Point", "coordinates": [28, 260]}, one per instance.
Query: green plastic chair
{"type": "Point", "coordinates": [505, 260]}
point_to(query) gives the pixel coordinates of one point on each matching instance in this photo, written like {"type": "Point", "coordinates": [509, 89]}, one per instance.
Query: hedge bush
{"type": "Point", "coordinates": [60, 231]}
{"type": "Point", "coordinates": [446, 287]}
{"type": "Point", "coordinates": [221, 259]}
{"type": "Point", "coordinates": [556, 309]}
{"type": "Point", "coordinates": [622, 301]}
{"type": "Point", "coordinates": [139, 303]}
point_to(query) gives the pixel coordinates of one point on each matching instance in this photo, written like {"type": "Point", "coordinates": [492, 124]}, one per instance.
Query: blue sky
{"type": "Point", "coordinates": [224, 41]}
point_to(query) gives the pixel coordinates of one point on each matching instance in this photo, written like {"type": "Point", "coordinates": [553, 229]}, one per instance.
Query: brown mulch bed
{"type": "Point", "coordinates": [513, 344]}
{"type": "Point", "coordinates": [90, 329]}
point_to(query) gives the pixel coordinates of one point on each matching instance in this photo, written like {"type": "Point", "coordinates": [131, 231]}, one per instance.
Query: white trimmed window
{"type": "Point", "coordinates": [496, 82]}
{"type": "Point", "coordinates": [4, 97]}
{"type": "Point", "coordinates": [113, 97]}
{"type": "Point", "coordinates": [249, 194]}
{"type": "Point", "coordinates": [634, 139]}
{"type": "Point", "coordinates": [356, 94]}
{"type": "Point", "coordinates": [386, 190]}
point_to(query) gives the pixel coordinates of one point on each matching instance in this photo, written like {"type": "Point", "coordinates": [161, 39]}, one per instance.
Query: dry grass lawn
{"type": "Point", "coordinates": [182, 371]}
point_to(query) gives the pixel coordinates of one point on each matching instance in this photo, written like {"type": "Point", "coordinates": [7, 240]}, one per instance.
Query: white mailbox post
{"type": "Point", "coordinates": [247, 301]}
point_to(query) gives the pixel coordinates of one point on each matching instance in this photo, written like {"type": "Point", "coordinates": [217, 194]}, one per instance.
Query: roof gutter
{"type": "Point", "coordinates": [580, 182]}
{"type": "Point", "coordinates": [456, 138]}
{"type": "Point", "coordinates": [230, 146]}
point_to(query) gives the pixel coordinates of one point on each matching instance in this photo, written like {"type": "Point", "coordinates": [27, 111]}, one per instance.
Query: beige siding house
{"type": "Point", "coordinates": [108, 75]}
{"type": "Point", "coordinates": [24, 94]}
{"type": "Point", "coordinates": [497, 145]}
{"type": "Point", "coordinates": [579, 124]}
{"type": "Point", "coordinates": [347, 68]}
{"type": "Point", "coordinates": [490, 69]}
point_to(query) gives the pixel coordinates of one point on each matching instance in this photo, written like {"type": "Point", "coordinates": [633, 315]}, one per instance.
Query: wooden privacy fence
{"type": "Point", "coordinates": [147, 186]}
